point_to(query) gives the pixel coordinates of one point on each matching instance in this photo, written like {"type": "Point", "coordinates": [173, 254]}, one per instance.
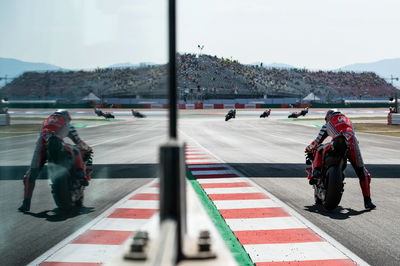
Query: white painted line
{"type": "Point", "coordinates": [244, 204]}
{"type": "Point", "coordinates": [140, 204]}
{"type": "Point", "coordinates": [147, 189]}
{"type": "Point", "coordinates": [221, 180]}
{"type": "Point", "coordinates": [232, 190]}
{"type": "Point", "coordinates": [274, 223]}
{"type": "Point", "coordinates": [204, 166]}
{"type": "Point", "coordinates": [293, 252]}
{"type": "Point", "coordinates": [120, 224]}
{"type": "Point", "coordinates": [212, 172]}
{"type": "Point", "coordinates": [84, 253]}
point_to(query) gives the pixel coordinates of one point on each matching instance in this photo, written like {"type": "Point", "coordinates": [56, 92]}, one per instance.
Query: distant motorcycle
{"type": "Point", "coordinates": [297, 114]}
{"type": "Point", "coordinates": [266, 113]}
{"type": "Point", "coordinates": [231, 114]}
{"type": "Point", "coordinates": [106, 115]}
{"type": "Point", "coordinates": [137, 114]}
{"type": "Point", "coordinates": [67, 182]}
{"type": "Point", "coordinates": [328, 189]}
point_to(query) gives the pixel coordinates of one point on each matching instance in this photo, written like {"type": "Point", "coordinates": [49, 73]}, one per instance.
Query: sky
{"type": "Point", "coordinates": [315, 34]}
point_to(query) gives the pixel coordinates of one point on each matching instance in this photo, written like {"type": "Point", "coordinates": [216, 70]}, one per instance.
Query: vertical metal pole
{"type": "Point", "coordinates": [172, 69]}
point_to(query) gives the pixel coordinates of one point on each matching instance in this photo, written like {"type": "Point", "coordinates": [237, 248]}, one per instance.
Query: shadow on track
{"type": "Point", "coordinates": [56, 215]}
{"type": "Point", "coordinates": [296, 170]}
{"type": "Point", "coordinates": [101, 171]}
{"type": "Point", "coordinates": [339, 213]}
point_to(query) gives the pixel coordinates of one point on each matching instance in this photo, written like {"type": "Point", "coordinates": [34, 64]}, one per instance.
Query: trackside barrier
{"type": "Point", "coordinates": [208, 106]}
{"type": "Point", "coordinates": [250, 105]}
{"type": "Point", "coordinates": [229, 106]}
{"type": "Point", "coordinates": [4, 119]}
{"type": "Point", "coordinates": [190, 106]}
{"type": "Point", "coordinates": [393, 119]}
{"type": "Point", "coordinates": [156, 105]}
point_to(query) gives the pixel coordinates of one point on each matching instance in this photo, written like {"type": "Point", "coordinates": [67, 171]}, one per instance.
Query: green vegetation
{"type": "Point", "coordinates": [19, 130]}
{"type": "Point", "coordinates": [377, 128]}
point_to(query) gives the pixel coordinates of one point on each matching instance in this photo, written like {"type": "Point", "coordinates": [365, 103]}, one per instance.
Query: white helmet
{"type": "Point", "coordinates": [330, 113]}
{"type": "Point", "coordinates": [64, 113]}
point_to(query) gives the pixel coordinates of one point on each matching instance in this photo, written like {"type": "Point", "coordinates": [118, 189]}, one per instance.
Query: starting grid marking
{"type": "Point", "coordinates": [269, 233]}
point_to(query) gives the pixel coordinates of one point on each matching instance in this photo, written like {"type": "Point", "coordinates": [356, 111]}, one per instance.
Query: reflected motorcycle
{"type": "Point", "coordinates": [265, 113]}
{"type": "Point", "coordinates": [231, 114]}
{"type": "Point", "coordinates": [329, 187]}
{"type": "Point", "coordinates": [67, 182]}
{"type": "Point", "coordinates": [137, 114]}
{"type": "Point", "coordinates": [106, 115]}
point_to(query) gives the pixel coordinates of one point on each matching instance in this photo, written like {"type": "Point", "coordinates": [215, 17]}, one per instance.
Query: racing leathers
{"type": "Point", "coordinates": [339, 124]}
{"type": "Point", "coordinates": [59, 126]}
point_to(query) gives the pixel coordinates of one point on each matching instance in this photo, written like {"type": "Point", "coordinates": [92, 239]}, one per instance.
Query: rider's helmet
{"type": "Point", "coordinates": [331, 113]}
{"type": "Point", "coordinates": [64, 114]}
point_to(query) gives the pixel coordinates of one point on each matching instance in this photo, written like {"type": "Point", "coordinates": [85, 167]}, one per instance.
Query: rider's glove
{"type": "Point", "coordinates": [26, 205]}
{"type": "Point", "coordinates": [312, 146]}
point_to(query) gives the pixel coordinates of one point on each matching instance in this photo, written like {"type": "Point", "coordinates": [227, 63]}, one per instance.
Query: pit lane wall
{"type": "Point", "coordinates": [394, 119]}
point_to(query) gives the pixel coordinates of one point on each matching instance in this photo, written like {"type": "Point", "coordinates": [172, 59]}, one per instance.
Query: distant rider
{"type": "Point", "coordinates": [57, 124]}
{"type": "Point", "coordinates": [336, 124]}
{"type": "Point", "coordinates": [304, 111]}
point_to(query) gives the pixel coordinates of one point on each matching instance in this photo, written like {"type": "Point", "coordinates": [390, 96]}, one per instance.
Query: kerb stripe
{"type": "Point", "coordinates": [237, 196]}
{"type": "Point", "coordinates": [342, 262]}
{"type": "Point", "coordinates": [277, 236]}
{"type": "Point", "coordinates": [253, 213]}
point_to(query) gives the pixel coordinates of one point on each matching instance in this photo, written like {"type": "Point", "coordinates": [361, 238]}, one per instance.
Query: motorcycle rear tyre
{"type": "Point", "coordinates": [334, 189]}
{"type": "Point", "coordinates": [61, 193]}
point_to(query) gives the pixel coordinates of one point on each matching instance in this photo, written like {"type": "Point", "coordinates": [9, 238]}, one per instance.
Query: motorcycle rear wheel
{"type": "Point", "coordinates": [334, 188]}
{"type": "Point", "coordinates": [60, 188]}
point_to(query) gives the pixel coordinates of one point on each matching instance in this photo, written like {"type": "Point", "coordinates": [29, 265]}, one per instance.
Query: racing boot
{"type": "Point", "coordinates": [26, 205]}
{"type": "Point", "coordinates": [368, 203]}
{"type": "Point", "coordinates": [316, 175]}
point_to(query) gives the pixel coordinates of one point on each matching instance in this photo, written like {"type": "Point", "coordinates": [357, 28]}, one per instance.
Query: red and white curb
{"type": "Point", "coordinates": [98, 241]}
{"type": "Point", "coordinates": [270, 231]}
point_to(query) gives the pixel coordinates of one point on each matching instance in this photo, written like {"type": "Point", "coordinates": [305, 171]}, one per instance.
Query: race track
{"type": "Point", "coordinates": [269, 151]}
{"type": "Point", "coordinates": [125, 158]}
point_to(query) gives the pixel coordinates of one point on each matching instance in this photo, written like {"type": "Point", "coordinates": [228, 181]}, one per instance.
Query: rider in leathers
{"type": "Point", "coordinates": [57, 124]}
{"type": "Point", "coordinates": [336, 124]}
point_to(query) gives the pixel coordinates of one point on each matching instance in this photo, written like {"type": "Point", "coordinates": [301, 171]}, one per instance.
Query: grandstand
{"type": "Point", "coordinates": [200, 77]}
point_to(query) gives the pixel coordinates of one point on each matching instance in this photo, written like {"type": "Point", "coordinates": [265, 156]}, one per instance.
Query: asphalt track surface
{"type": "Point", "coordinates": [126, 157]}
{"type": "Point", "coordinates": [270, 151]}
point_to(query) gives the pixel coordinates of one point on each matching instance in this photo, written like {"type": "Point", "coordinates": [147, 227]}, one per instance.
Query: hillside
{"type": "Point", "coordinates": [207, 76]}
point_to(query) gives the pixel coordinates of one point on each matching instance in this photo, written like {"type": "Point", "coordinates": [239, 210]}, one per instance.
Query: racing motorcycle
{"type": "Point", "coordinates": [67, 182]}
{"type": "Point", "coordinates": [328, 189]}
{"type": "Point", "coordinates": [231, 114]}
{"type": "Point", "coordinates": [106, 115]}
{"type": "Point", "coordinates": [266, 113]}
{"type": "Point", "coordinates": [137, 114]}
{"type": "Point", "coordinates": [297, 114]}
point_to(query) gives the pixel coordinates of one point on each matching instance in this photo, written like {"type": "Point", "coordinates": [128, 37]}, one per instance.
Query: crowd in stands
{"type": "Point", "coordinates": [199, 77]}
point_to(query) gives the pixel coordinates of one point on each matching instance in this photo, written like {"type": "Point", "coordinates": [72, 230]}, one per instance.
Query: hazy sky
{"type": "Point", "coordinates": [317, 34]}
